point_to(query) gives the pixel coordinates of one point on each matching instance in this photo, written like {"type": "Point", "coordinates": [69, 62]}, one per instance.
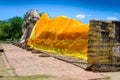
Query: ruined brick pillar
{"type": "Point", "coordinates": [103, 36]}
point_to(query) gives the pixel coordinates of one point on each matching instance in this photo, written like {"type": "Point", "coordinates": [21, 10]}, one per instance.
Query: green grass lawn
{"type": "Point", "coordinates": [35, 77]}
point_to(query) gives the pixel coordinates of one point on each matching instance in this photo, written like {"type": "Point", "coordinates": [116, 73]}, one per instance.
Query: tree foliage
{"type": "Point", "coordinates": [11, 28]}
{"type": "Point", "coordinates": [16, 27]}
{"type": "Point", "coordinates": [4, 29]}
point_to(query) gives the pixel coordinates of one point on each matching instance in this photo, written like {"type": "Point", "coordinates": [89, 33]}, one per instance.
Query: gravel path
{"type": "Point", "coordinates": [26, 63]}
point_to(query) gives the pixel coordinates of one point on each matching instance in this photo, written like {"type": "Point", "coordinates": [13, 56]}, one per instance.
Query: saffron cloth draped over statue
{"type": "Point", "coordinates": [60, 34]}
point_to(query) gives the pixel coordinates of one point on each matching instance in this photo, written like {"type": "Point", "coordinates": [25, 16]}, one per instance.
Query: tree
{"type": "Point", "coordinates": [4, 30]}
{"type": "Point", "coordinates": [15, 27]}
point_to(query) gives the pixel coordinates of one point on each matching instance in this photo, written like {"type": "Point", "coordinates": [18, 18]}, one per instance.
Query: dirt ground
{"type": "Point", "coordinates": [24, 63]}
{"type": "Point", "coordinates": [2, 67]}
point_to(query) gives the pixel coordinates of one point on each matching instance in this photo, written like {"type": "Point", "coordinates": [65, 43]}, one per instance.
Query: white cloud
{"type": "Point", "coordinates": [112, 18]}
{"type": "Point", "coordinates": [80, 16]}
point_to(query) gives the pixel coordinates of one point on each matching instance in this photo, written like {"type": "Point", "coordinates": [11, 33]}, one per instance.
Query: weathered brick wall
{"type": "Point", "coordinates": [103, 36]}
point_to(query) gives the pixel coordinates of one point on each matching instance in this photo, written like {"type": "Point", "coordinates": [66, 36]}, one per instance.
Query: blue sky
{"type": "Point", "coordinates": [83, 10]}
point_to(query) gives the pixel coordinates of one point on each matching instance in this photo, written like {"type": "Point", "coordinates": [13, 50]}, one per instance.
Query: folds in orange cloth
{"type": "Point", "coordinates": [60, 34]}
